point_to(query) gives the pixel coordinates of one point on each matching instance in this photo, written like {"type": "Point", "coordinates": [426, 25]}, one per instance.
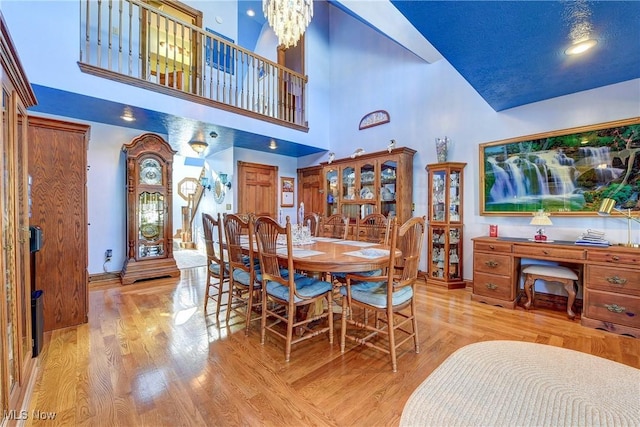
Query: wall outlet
{"type": "Point", "coordinates": [108, 253]}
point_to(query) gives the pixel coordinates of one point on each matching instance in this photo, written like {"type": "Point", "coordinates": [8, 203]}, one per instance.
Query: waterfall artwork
{"type": "Point", "coordinates": [564, 172]}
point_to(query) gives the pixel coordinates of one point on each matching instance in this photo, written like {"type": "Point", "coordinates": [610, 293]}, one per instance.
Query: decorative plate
{"type": "Point", "coordinates": [218, 191]}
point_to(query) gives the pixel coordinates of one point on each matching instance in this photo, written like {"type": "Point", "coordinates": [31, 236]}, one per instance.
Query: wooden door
{"type": "Point", "coordinates": [310, 190]}
{"type": "Point", "coordinates": [257, 189]}
{"type": "Point", "coordinates": [58, 168]}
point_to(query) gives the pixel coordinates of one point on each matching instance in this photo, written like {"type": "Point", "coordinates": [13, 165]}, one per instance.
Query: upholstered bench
{"type": "Point", "coordinates": [550, 273]}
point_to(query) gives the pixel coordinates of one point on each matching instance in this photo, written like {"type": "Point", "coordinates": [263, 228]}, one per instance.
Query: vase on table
{"type": "Point", "coordinates": [442, 145]}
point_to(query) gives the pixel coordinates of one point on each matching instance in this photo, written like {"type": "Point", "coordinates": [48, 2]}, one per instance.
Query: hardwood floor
{"type": "Point", "coordinates": [148, 356]}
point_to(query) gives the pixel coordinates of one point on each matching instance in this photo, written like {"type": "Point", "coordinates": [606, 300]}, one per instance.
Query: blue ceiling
{"type": "Point", "coordinates": [510, 52]}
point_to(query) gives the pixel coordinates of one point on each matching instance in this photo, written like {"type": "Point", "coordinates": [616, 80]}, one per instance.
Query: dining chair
{"type": "Point", "coordinates": [288, 289]}
{"type": "Point", "coordinates": [390, 297]}
{"type": "Point", "coordinates": [335, 226]}
{"type": "Point", "coordinates": [244, 287]}
{"type": "Point", "coordinates": [218, 269]}
{"type": "Point", "coordinates": [313, 220]}
{"type": "Point", "coordinates": [373, 228]}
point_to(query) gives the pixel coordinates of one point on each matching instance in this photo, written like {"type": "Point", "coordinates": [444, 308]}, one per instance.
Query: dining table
{"type": "Point", "coordinates": [319, 255]}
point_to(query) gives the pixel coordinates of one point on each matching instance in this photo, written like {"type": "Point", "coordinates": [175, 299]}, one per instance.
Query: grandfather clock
{"type": "Point", "coordinates": [149, 160]}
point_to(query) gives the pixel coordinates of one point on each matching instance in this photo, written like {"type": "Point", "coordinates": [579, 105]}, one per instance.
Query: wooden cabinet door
{"type": "Point", "coordinates": [58, 168]}
{"type": "Point", "coordinates": [258, 189]}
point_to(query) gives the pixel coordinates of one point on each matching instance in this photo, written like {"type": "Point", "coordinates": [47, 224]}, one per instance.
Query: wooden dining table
{"type": "Point", "coordinates": [321, 255]}
{"type": "Point", "coordinates": [329, 255]}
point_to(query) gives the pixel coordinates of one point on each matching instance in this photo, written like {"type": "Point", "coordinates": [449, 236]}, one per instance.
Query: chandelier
{"type": "Point", "coordinates": [288, 18]}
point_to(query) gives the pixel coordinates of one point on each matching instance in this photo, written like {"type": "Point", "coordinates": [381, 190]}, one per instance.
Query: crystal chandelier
{"type": "Point", "coordinates": [288, 18]}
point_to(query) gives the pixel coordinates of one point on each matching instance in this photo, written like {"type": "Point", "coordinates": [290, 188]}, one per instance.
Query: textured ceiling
{"type": "Point", "coordinates": [512, 52]}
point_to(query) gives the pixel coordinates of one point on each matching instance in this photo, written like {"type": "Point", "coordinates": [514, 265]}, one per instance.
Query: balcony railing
{"type": "Point", "coordinates": [132, 42]}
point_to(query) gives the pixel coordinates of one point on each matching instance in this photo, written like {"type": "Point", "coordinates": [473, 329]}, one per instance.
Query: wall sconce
{"type": "Point", "coordinates": [540, 218]}
{"type": "Point", "coordinates": [204, 181]}
{"type": "Point", "coordinates": [273, 145]}
{"type": "Point", "coordinates": [607, 206]}
{"type": "Point", "coordinates": [224, 180]}
{"type": "Point", "coordinates": [198, 146]}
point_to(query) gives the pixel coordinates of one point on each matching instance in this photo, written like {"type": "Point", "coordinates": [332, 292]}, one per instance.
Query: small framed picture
{"type": "Point", "coordinates": [286, 192]}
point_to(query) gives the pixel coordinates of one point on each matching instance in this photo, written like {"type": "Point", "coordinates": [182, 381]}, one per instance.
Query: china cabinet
{"type": "Point", "coordinates": [16, 344]}
{"type": "Point", "coordinates": [380, 182]}
{"type": "Point", "coordinates": [445, 184]}
{"type": "Point", "coordinates": [149, 161]}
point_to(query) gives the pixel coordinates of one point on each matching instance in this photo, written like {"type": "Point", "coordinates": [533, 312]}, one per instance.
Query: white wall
{"type": "Point", "coordinates": [425, 101]}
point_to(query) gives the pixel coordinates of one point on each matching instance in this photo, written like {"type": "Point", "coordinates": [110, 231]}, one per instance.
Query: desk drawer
{"type": "Point", "coordinates": [613, 279]}
{"type": "Point", "coordinates": [613, 308]}
{"type": "Point", "coordinates": [547, 251]}
{"type": "Point", "coordinates": [614, 257]}
{"type": "Point", "coordinates": [492, 247]}
{"type": "Point", "coordinates": [492, 263]}
{"type": "Point", "coordinates": [490, 285]}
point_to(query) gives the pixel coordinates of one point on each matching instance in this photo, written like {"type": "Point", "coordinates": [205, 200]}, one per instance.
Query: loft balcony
{"type": "Point", "coordinates": [133, 42]}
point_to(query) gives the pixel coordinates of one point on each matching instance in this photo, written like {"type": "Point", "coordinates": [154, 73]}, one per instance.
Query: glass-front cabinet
{"type": "Point", "coordinates": [149, 227]}
{"type": "Point", "coordinates": [18, 367]}
{"type": "Point", "coordinates": [445, 184]}
{"type": "Point", "coordinates": [379, 182]}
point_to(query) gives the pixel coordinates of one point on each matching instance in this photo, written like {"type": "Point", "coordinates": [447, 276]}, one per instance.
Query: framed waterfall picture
{"type": "Point", "coordinates": [566, 172]}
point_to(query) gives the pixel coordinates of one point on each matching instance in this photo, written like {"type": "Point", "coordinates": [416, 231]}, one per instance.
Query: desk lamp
{"type": "Point", "coordinates": [540, 218]}
{"type": "Point", "coordinates": [605, 209]}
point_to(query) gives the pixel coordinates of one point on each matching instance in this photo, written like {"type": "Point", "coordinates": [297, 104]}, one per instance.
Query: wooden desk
{"type": "Point", "coordinates": [610, 278]}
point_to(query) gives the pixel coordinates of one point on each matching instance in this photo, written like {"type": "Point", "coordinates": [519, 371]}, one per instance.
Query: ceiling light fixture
{"type": "Point", "coordinates": [127, 115]}
{"type": "Point", "coordinates": [251, 13]}
{"type": "Point", "coordinates": [273, 144]}
{"type": "Point", "coordinates": [581, 47]}
{"type": "Point", "coordinates": [288, 18]}
{"type": "Point", "coordinates": [198, 146]}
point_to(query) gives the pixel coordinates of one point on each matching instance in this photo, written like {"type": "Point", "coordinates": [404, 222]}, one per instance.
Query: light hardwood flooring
{"type": "Point", "coordinates": [150, 357]}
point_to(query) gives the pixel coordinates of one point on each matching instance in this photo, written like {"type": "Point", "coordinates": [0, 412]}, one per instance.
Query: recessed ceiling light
{"type": "Point", "coordinates": [581, 47]}
{"type": "Point", "coordinates": [251, 12]}
{"type": "Point", "coordinates": [127, 115]}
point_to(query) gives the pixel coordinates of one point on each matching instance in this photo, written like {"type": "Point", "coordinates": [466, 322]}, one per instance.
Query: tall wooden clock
{"type": "Point", "coordinates": [149, 160]}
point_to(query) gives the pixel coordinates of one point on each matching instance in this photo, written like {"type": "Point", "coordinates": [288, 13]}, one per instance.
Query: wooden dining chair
{"type": "Point", "coordinates": [389, 296]}
{"type": "Point", "coordinates": [373, 228]}
{"type": "Point", "coordinates": [218, 269]}
{"type": "Point", "coordinates": [335, 226]}
{"type": "Point", "coordinates": [287, 289]}
{"type": "Point", "coordinates": [244, 287]}
{"type": "Point", "coordinates": [313, 220]}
